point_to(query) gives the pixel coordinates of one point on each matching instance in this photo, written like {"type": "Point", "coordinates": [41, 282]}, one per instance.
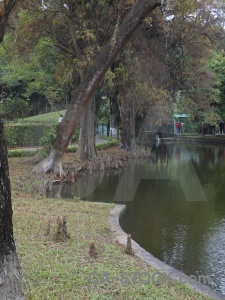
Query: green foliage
{"type": "Point", "coordinates": [190, 127]}
{"type": "Point", "coordinates": [16, 73]}
{"type": "Point", "coordinates": [30, 73]}
{"type": "Point", "coordinates": [20, 135]}
{"type": "Point", "coordinates": [103, 113]}
{"type": "Point", "coordinates": [71, 149]}
{"type": "Point", "coordinates": [106, 145]}
{"type": "Point", "coordinates": [45, 58]}
{"type": "Point", "coordinates": [217, 65]}
{"type": "Point", "coordinates": [48, 139]}
{"type": "Point", "coordinates": [105, 137]}
{"type": "Point", "coordinates": [21, 153]}
{"type": "Point", "coordinates": [13, 108]}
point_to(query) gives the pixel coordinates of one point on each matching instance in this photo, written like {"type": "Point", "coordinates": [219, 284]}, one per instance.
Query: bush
{"type": "Point", "coordinates": [20, 135]}
{"type": "Point", "coordinates": [49, 137]}
{"type": "Point", "coordinates": [21, 153]}
{"type": "Point", "coordinates": [106, 145]}
{"type": "Point", "coordinates": [72, 149]}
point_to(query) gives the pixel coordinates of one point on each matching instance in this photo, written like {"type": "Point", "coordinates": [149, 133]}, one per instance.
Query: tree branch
{"type": "Point", "coordinates": [4, 16]}
{"type": "Point", "coordinates": [102, 62]}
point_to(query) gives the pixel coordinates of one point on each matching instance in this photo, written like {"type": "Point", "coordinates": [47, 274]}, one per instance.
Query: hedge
{"type": "Point", "coordinates": [21, 135]}
{"type": "Point", "coordinates": [106, 145]}
{"type": "Point", "coordinates": [22, 153]}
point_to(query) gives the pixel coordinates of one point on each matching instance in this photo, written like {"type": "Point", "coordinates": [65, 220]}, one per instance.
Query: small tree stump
{"type": "Point", "coordinates": [61, 231]}
{"type": "Point", "coordinates": [92, 250]}
{"type": "Point", "coordinates": [129, 249]}
{"type": "Point", "coordinates": [47, 229]}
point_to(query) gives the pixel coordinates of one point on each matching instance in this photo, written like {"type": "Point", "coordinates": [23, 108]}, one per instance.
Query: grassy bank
{"type": "Point", "coordinates": [61, 270]}
{"type": "Point", "coordinates": [51, 117]}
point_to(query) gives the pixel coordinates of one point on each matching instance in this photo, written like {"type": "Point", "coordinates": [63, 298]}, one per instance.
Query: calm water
{"type": "Point", "coordinates": [175, 205]}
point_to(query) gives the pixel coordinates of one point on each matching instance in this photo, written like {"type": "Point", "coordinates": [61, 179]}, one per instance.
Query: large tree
{"type": "Point", "coordinates": [92, 77]}
{"type": "Point", "coordinates": [10, 271]}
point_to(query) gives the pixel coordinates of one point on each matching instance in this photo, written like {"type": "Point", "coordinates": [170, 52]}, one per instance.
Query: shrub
{"type": "Point", "coordinates": [106, 145]}
{"type": "Point", "coordinates": [71, 149]}
{"type": "Point", "coordinates": [49, 137]}
{"type": "Point", "coordinates": [21, 153]}
{"type": "Point", "coordinates": [20, 135]}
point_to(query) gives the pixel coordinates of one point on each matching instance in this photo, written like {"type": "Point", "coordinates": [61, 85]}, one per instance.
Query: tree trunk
{"type": "Point", "coordinates": [92, 79]}
{"type": "Point", "coordinates": [6, 7]}
{"type": "Point", "coordinates": [51, 164]}
{"type": "Point", "coordinates": [10, 271]}
{"type": "Point", "coordinates": [127, 115]}
{"type": "Point", "coordinates": [86, 147]}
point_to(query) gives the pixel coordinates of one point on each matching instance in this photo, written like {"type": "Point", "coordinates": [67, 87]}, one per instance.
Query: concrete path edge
{"type": "Point", "coordinates": [121, 237]}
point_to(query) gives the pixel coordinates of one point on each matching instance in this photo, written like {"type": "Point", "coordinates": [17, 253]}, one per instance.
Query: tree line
{"type": "Point", "coordinates": [145, 57]}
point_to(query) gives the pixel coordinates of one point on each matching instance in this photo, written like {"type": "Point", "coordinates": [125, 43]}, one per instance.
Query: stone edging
{"type": "Point", "coordinates": [121, 237]}
{"type": "Point", "coordinates": [210, 140]}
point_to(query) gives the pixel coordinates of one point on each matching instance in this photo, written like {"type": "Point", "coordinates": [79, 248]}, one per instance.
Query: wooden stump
{"type": "Point", "coordinates": [92, 250]}
{"type": "Point", "coordinates": [129, 249]}
{"type": "Point", "coordinates": [61, 231]}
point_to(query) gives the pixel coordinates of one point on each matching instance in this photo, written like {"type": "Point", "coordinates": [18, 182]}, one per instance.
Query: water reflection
{"type": "Point", "coordinates": [188, 235]}
{"type": "Point", "coordinates": [159, 151]}
{"type": "Point", "coordinates": [94, 186]}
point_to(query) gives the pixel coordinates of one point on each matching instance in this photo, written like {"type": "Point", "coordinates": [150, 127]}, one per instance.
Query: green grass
{"type": "Point", "coordinates": [56, 270]}
{"type": "Point", "coordinates": [48, 118]}
{"type": "Point", "coordinates": [106, 145]}
{"type": "Point", "coordinates": [105, 137]}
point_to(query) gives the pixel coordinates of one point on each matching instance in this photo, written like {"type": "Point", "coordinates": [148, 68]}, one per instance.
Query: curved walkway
{"type": "Point", "coordinates": [121, 237]}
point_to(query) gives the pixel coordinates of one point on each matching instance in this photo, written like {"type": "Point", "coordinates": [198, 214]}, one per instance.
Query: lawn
{"type": "Point", "coordinates": [49, 117]}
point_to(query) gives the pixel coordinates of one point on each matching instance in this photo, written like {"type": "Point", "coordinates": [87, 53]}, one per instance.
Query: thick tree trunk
{"type": "Point", "coordinates": [93, 78]}
{"type": "Point", "coordinates": [86, 147]}
{"type": "Point", "coordinates": [10, 271]}
{"type": "Point", "coordinates": [51, 164]}
{"type": "Point", "coordinates": [127, 115]}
